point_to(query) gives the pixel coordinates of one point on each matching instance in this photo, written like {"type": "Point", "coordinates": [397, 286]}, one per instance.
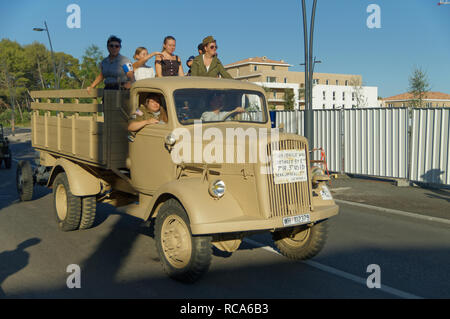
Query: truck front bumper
{"type": "Point", "coordinates": [246, 223]}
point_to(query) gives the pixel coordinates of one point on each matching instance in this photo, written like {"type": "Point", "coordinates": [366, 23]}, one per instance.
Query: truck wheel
{"type": "Point", "coordinates": [67, 206]}
{"type": "Point", "coordinates": [88, 208]}
{"type": "Point", "coordinates": [8, 162]}
{"type": "Point", "coordinates": [184, 257]}
{"type": "Point", "coordinates": [24, 180]}
{"type": "Point", "coordinates": [302, 242]}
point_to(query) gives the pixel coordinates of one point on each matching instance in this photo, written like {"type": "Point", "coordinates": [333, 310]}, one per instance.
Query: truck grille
{"type": "Point", "coordinates": [290, 198]}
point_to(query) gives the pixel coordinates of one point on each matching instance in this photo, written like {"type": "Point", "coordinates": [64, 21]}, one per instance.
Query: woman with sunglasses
{"type": "Point", "coordinates": [112, 69]}
{"type": "Point", "coordinates": [168, 64]}
{"type": "Point", "coordinates": [208, 64]}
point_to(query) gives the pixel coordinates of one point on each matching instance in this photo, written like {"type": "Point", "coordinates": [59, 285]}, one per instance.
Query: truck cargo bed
{"type": "Point", "coordinates": [87, 127]}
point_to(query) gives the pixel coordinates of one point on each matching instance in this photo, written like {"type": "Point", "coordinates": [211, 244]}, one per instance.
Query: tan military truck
{"type": "Point", "coordinates": [195, 174]}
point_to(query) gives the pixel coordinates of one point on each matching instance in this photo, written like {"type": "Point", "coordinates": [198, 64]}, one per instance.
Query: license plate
{"type": "Point", "coordinates": [296, 220]}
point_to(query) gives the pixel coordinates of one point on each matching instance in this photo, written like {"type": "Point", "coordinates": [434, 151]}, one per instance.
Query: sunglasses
{"type": "Point", "coordinates": [213, 47]}
{"type": "Point", "coordinates": [114, 46]}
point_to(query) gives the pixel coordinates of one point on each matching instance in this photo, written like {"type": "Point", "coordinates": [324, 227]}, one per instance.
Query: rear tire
{"type": "Point", "coordinates": [67, 206]}
{"type": "Point", "coordinates": [88, 209]}
{"type": "Point", "coordinates": [302, 242]}
{"type": "Point", "coordinates": [184, 257]}
{"type": "Point", "coordinates": [24, 180]}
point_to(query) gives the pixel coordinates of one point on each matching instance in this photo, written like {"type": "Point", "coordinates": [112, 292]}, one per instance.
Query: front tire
{"type": "Point", "coordinates": [66, 205]}
{"type": "Point", "coordinates": [184, 257]}
{"type": "Point", "coordinates": [302, 242]}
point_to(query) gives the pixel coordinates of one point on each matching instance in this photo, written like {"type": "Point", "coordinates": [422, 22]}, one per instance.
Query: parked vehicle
{"type": "Point", "coordinates": [5, 151]}
{"type": "Point", "coordinates": [88, 156]}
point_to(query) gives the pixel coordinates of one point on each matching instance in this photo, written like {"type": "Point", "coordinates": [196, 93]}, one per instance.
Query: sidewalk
{"type": "Point", "coordinates": [382, 193]}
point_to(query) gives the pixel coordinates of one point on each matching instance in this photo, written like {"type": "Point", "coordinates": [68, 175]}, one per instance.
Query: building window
{"type": "Point", "coordinates": [334, 106]}
{"type": "Point", "coordinates": [346, 82]}
{"type": "Point", "coordinates": [271, 79]}
{"type": "Point", "coordinates": [334, 96]}
{"type": "Point", "coordinates": [285, 80]}
{"type": "Point", "coordinates": [327, 82]}
{"type": "Point", "coordinates": [255, 68]}
{"type": "Point", "coordinates": [353, 96]}
{"type": "Point", "coordinates": [323, 106]}
{"type": "Point", "coordinates": [343, 96]}
{"type": "Point", "coordinates": [273, 67]}
{"type": "Point", "coordinates": [337, 82]}
{"type": "Point", "coordinates": [274, 94]}
{"type": "Point", "coordinates": [324, 95]}
{"type": "Point", "coordinates": [315, 81]}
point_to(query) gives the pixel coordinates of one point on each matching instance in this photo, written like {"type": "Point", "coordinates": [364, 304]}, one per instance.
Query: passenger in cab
{"type": "Point", "coordinates": [112, 68]}
{"type": "Point", "coordinates": [208, 64]}
{"type": "Point", "coordinates": [168, 64]}
{"type": "Point", "coordinates": [140, 69]}
{"type": "Point", "coordinates": [149, 113]}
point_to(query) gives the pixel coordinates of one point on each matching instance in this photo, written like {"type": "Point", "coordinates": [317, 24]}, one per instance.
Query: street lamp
{"type": "Point", "coordinates": [51, 50]}
{"type": "Point", "coordinates": [309, 72]}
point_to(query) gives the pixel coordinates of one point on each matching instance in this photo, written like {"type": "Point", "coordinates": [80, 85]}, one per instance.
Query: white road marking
{"type": "Point", "coordinates": [339, 273]}
{"type": "Point", "coordinates": [338, 189]}
{"type": "Point", "coordinates": [396, 212]}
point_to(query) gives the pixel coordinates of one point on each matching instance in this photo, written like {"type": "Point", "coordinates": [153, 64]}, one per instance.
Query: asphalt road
{"type": "Point", "coordinates": [118, 258]}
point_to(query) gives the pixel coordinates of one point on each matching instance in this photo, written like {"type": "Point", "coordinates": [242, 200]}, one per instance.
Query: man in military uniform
{"type": "Point", "coordinates": [149, 113]}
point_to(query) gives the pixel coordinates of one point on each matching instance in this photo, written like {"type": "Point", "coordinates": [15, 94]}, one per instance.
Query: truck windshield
{"type": "Point", "coordinates": [212, 105]}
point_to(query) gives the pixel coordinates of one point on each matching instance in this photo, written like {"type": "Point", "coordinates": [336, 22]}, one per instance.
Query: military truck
{"type": "Point", "coordinates": [87, 156]}
{"type": "Point", "coordinates": [5, 151]}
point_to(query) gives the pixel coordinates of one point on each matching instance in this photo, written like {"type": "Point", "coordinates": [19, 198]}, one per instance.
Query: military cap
{"type": "Point", "coordinates": [207, 40]}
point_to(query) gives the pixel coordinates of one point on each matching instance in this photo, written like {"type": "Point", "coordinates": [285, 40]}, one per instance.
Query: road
{"type": "Point", "coordinates": [118, 258]}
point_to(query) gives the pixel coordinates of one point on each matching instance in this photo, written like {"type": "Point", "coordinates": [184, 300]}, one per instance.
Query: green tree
{"type": "Point", "coordinates": [289, 99]}
{"type": "Point", "coordinates": [90, 65]}
{"type": "Point", "coordinates": [418, 86]}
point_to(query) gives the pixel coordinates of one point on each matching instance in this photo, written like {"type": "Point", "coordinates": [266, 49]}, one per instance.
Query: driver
{"type": "Point", "coordinates": [217, 103]}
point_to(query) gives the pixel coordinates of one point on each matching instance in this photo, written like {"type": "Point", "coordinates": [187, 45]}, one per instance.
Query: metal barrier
{"type": "Point", "coordinates": [401, 143]}
{"type": "Point", "coordinates": [430, 146]}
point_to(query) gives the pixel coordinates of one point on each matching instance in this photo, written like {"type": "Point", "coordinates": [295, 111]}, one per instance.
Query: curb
{"type": "Point", "coordinates": [396, 212]}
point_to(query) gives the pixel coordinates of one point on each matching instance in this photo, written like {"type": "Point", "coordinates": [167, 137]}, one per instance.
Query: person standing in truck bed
{"type": "Point", "coordinates": [112, 68]}
{"type": "Point", "coordinates": [208, 64]}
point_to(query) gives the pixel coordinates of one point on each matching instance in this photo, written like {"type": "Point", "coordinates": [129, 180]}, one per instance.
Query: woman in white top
{"type": "Point", "coordinates": [142, 71]}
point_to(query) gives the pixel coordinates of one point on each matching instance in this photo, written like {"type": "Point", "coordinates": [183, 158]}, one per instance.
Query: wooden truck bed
{"type": "Point", "coordinates": [81, 126]}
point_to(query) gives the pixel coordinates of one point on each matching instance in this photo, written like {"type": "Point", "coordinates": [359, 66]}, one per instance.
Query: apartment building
{"type": "Point", "coordinates": [276, 78]}
{"type": "Point", "coordinates": [431, 99]}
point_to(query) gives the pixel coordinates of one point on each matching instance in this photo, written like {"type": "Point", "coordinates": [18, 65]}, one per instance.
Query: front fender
{"type": "Point", "coordinates": [81, 182]}
{"type": "Point", "coordinates": [201, 207]}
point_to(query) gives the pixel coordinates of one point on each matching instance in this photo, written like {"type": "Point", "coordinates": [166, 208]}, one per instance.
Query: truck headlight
{"type": "Point", "coordinates": [217, 188]}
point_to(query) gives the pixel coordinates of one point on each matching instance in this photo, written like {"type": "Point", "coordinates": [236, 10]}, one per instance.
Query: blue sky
{"type": "Point", "coordinates": [412, 33]}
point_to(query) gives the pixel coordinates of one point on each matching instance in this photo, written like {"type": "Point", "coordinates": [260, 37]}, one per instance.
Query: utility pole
{"type": "Point", "coordinates": [309, 73]}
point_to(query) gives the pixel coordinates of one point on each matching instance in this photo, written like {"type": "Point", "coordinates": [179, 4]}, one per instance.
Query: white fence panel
{"type": "Point", "coordinates": [376, 142]}
{"type": "Point", "coordinates": [430, 139]}
{"type": "Point", "coordinates": [327, 135]}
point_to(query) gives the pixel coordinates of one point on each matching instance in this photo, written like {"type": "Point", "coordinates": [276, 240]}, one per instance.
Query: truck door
{"type": "Point", "coordinates": [151, 163]}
